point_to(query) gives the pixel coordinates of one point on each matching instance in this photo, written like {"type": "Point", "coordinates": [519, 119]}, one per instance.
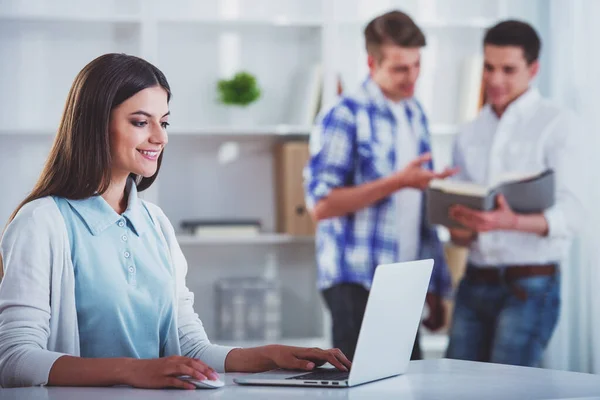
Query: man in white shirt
{"type": "Point", "coordinates": [507, 305]}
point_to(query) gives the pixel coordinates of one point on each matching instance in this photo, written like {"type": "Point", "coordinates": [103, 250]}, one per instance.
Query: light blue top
{"type": "Point", "coordinates": [38, 324]}
{"type": "Point", "coordinates": [123, 278]}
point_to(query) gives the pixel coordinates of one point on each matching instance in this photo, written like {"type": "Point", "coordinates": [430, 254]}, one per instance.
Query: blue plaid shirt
{"type": "Point", "coordinates": [355, 143]}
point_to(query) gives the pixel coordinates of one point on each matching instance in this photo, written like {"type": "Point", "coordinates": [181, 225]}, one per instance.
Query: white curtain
{"type": "Point", "coordinates": [574, 69]}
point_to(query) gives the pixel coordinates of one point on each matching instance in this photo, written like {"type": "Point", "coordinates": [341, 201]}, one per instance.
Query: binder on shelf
{"type": "Point", "coordinates": [292, 216]}
{"type": "Point", "coordinates": [524, 193]}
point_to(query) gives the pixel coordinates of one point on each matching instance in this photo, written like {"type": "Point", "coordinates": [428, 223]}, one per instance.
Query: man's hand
{"type": "Point", "coordinates": [462, 237]}
{"type": "Point", "coordinates": [437, 312]}
{"type": "Point", "coordinates": [502, 218]}
{"type": "Point", "coordinates": [415, 176]}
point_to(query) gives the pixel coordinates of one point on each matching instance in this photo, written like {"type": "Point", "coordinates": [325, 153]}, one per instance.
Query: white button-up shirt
{"type": "Point", "coordinates": [532, 135]}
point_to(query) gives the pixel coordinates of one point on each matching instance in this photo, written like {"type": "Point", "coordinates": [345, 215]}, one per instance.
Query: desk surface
{"type": "Point", "coordinates": [429, 379]}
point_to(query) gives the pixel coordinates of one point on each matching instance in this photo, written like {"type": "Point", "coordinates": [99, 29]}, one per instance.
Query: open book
{"type": "Point", "coordinates": [525, 194]}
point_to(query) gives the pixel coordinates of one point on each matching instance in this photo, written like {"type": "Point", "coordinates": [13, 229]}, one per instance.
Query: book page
{"type": "Point", "coordinates": [459, 187]}
{"type": "Point", "coordinates": [509, 177]}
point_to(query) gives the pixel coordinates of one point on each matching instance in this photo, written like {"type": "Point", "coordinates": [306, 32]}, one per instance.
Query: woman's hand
{"type": "Point", "coordinates": [274, 356]}
{"type": "Point", "coordinates": [165, 372]}
{"type": "Point", "coordinates": [288, 357]}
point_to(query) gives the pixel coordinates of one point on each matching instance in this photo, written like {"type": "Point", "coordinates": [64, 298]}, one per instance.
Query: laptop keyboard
{"type": "Point", "coordinates": [323, 375]}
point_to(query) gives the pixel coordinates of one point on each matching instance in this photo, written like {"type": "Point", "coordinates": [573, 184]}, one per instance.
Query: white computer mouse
{"type": "Point", "coordinates": [205, 384]}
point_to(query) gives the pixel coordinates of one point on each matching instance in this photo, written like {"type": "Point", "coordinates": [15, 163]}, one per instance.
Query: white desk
{"type": "Point", "coordinates": [430, 379]}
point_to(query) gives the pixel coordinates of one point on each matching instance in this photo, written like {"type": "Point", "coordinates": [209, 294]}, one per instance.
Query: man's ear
{"type": "Point", "coordinates": [534, 68]}
{"type": "Point", "coordinates": [371, 62]}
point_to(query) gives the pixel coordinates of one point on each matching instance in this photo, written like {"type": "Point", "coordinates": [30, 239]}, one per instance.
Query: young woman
{"type": "Point", "coordinates": [94, 291]}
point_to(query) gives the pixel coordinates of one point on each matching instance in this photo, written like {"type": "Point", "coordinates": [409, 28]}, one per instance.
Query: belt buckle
{"type": "Point", "coordinates": [515, 288]}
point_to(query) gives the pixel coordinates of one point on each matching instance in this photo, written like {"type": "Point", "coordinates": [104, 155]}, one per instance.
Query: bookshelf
{"type": "Point", "coordinates": [43, 44]}
{"type": "Point", "coordinates": [261, 239]}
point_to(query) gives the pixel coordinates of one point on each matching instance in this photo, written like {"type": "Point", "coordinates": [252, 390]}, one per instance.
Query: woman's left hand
{"type": "Point", "coordinates": [288, 357]}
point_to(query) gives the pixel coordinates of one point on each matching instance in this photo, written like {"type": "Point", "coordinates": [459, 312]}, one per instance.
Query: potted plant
{"type": "Point", "coordinates": [238, 93]}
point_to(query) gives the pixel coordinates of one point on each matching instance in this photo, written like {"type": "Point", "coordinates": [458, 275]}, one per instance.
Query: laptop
{"type": "Point", "coordinates": [387, 334]}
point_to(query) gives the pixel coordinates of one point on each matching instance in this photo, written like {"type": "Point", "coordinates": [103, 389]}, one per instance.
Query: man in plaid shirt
{"type": "Point", "coordinates": [370, 161]}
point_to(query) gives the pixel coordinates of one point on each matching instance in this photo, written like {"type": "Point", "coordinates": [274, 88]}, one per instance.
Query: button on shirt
{"type": "Point", "coordinates": [408, 201]}
{"type": "Point", "coordinates": [123, 282]}
{"type": "Point", "coordinates": [532, 135]}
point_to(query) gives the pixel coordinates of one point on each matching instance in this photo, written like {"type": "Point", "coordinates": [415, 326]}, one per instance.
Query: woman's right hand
{"type": "Point", "coordinates": [165, 372]}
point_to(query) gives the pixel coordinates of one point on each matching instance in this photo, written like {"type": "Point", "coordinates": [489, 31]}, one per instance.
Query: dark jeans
{"type": "Point", "coordinates": [347, 303]}
{"type": "Point", "coordinates": [491, 324]}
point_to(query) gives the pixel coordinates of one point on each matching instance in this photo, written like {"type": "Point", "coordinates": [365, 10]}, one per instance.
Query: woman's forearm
{"type": "Point", "coordinates": [77, 371]}
{"type": "Point", "coordinates": [248, 360]}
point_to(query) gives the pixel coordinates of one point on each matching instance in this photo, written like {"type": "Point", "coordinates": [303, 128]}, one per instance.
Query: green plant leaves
{"type": "Point", "coordinates": [241, 90]}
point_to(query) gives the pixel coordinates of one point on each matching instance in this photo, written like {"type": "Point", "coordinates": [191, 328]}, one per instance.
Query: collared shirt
{"type": "Point", "coordinates": [532, 135]}
{"type": "Point", "coordinates": [39, 325]}
{"type": "Point", "coordinates": [355, 143]}
{"type": "Point", "coordinates": [123, 280]}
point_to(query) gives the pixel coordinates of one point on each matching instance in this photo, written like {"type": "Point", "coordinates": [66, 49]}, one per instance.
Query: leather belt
{"type": "Point", "coordinates": [510, 275]}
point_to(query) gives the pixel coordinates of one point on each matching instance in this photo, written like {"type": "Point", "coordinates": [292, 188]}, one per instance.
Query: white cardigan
{"type": "Point", "coordinates": [38, 319]}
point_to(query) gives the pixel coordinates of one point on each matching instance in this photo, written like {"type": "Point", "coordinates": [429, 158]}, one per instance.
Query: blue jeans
{"type": "Point", "coordinates": [491, 324]}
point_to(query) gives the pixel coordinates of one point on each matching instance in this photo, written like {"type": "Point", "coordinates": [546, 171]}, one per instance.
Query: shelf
{"type": "Point", "coordinates": [209, 131]}
{"type": "Point", "coordinates": [262, 239]}
{"type": "Point", "coordinates": [231, 132]}
{"type": "Point", "coordinates": [475, 23]}
{"type": "Point", "coordinates": [472, 23]}
{"type": "Point", "coordinates": [27, 132]}
{"type": "Point", "coordinates": [235, 22]}
{"type": "Point", "coordinates": [240, 131]}
{"type": "Point", "coordinates": [38, 17]}
{"type": "Point", "coordinates": [280, 130]}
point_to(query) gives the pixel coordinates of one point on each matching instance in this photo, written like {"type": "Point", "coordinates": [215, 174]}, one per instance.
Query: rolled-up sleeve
{"type": "Point", "coordinates": [565, 157]}
{"type": "Point", "coordinates": [331, 161]}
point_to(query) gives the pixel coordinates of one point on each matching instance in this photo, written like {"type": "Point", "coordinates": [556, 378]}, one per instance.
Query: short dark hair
{"type": "Point", "coordinates": [394, 27]}
{"type": "Point", "coordinates": [515, 33]}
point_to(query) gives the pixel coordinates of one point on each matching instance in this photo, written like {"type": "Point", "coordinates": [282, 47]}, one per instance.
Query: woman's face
{"type": "Point", "coordinates": [138, 133]}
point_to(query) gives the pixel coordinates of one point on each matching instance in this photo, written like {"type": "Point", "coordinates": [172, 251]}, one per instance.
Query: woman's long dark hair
{"type": "Point", "coordinates": [79, 163]}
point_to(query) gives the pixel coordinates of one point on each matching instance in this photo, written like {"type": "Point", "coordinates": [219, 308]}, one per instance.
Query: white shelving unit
{"type": "Point", "coordinates": [44, 43]}
{"type": "Point", "coordinates": [262, 239]}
